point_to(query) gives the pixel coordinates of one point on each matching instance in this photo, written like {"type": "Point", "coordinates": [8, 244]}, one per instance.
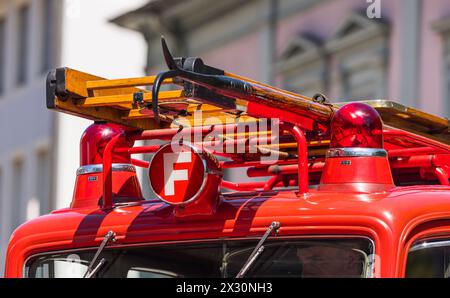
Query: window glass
{"type": "Point", "coordinates": [48, 34]}
{"type": "Point", "coordinates": [17, 193]}
{"type": "Point", "coordinates": [2, 54]}
{"type": "Point", "coordinates": [429, 259]}
{"type": "Point", "coordinates": [2, 202]}
{"type": "Point", "coordinates": [299, 258]}
{"type": "Point", "coordinates": [22, 43]}
{"type": "Point", "coordinates": [43, 173]}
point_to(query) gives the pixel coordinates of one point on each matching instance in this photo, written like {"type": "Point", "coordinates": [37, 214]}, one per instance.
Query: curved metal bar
{"type": "Point", "coordinates": [242, 186]}
{"type": "Point", "coordinates": [302, 149]}
{"type": "Point", "coordinates": [155, 90]}
{"type": "Point", "coordinates": [270, 184]}
{"type": "Point", "coordinates": [442, 174]}
{"type": "Point", "coordinates": [107, 171]}
{"type": "Point", "coordinates": [140, 163]}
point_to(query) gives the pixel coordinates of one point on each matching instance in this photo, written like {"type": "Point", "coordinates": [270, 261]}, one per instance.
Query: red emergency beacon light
{"type": "Point", "coordinates": [89, 182]}
{"type": "Point", "coordinates": [186, 177]}
{"type": "Point", "coordinates": [356, 125]}
{"type": "Point", "coordinates": [356, 159]}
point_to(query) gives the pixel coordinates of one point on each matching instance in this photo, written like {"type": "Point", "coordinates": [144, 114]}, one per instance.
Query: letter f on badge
{"type": "Point", "coordinates": [171, 175]}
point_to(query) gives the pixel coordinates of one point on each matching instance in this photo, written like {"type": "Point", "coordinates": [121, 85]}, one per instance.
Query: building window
{"type": "Point", "coordinates": [442, 27]}
{"type": "Point", "coordinates": [2, 200]}
{"type": "Point", "coordinates": [359, 52]}
{"type": "Point", "coordinates": [48, 34]}
{"type": "Point", "coordinates": [302, 66]}
{"type": "Point", "coordinates": [1, 185]}
{"type": "Point", "coordinates": [22, 43]}
{"type": "Point", "coordinates": [350, 65]}
{"type": "Point", "coordinates": [43, 173]}
{"type": "Point", "coordinates": [2, 207]}
{"type": "Point", "coordinates": [2, 54]}
{"type": "Point", "coordinates": [17, 195]}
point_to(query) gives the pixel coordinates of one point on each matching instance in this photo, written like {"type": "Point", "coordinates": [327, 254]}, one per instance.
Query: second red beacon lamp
{"type": "Point", "coordinates": [356, 159]}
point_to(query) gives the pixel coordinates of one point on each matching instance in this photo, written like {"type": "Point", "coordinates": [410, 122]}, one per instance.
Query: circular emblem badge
{"type": "Point", "coordinates": [177, 177]}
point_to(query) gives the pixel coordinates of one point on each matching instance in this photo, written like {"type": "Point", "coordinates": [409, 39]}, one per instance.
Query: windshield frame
{"type": "Point", "coordinates": [369, 268]}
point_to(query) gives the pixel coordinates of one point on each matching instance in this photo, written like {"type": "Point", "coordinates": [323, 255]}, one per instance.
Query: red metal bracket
{"type": "Point", "coordinates": [302, 151]}
{"type": "Point", "coordinates": [107, 171]}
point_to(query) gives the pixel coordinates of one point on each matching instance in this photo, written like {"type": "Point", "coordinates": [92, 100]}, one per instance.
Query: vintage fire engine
{"type": "Point", "coordinates": [331, 190]}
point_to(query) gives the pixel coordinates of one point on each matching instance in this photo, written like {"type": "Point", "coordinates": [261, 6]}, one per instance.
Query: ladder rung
{"type": "Point", "coordinates": [127, 99]}
{"type": "Point", "coordinates": [213, 118]}
{"type": "Point", "coordinates": [138, 114]}
{"type": "Point", "coordinates": [135, 114]}
{"type": "Point", "coordinates": [120, 83]}
{"type": "Point", "coordinates": [205, 108]}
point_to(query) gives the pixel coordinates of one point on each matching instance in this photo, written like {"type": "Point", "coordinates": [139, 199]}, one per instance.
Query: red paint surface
{"type": "Point", "coordinates": [357, 170]}
{"type": "Point", "coordinates": [89, 188]}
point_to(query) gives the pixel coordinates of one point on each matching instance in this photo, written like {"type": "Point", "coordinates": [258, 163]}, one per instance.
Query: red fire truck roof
{"type": "Point", "coordinates": [387, 218]}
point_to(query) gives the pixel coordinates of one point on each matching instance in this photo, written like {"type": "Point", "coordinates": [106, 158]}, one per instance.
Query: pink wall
{"type": "Point", "coordinates": [243, 55]}
{"type": "Point", "coordinates": [239, 57]}
{"type": "Point", "coordinates": [323, 21]}
{"type": "Point", "coordinates": [391, 11]}
{"type": "Point", "coordinates": [431, 64]}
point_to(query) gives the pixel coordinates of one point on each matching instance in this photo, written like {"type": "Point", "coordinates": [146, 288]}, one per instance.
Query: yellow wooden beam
{"type": "Point", "coordinates": [120, 83]}
{"type": "Point", "coordinates": [203, 107]}
{"type": "Point", "coordinates": [105, 113]}
{"type": "Point", "coordinates": [127, 99]}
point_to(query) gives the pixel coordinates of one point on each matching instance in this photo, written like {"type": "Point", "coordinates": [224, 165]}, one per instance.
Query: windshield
{"type": "Point", "coordinates": [281, 258]}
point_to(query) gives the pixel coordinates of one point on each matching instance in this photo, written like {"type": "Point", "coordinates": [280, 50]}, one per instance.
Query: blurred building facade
{"type": "Point", "coordinates": [308, 46]}
{"type": "Point", "coordinates": [27, 51]}
{"type": "Point", "coordinates": [39, 149]}
{"type": "Point", "coordinates": [346, 49]}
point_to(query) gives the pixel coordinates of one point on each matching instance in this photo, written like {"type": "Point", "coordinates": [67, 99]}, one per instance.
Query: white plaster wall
{"type": "Point", "coordinates": [25, 124]}
{"type": "Point", "coordinates": [91, 44]}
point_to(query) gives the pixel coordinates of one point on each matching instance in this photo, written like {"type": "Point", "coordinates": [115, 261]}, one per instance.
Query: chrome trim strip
{"type": "Point", "coordinates": [425, 245]}
{"type": "Point", "coordinates": [98, 168]}
{"type": "Point", "coordinates": [356, 152]}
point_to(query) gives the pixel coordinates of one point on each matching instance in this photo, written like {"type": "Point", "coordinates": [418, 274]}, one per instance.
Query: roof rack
{"type": "Point", "coordinates": [121, 101]}
{"type": "Point", "coordinates": [413, 139]}
{"type": "Point", "coordinates": [128, 102]}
